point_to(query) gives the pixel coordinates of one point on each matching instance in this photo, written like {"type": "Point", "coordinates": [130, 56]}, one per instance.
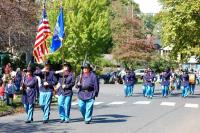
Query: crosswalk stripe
{"type": "Point", "coordinates": [117, 103]}
{"type": "Point", "coordinates": [168, 103]}
{"type": "Point", "coordinates": [74, 103]}
{"type": "Point", "coordinates": [190, 105]}
{"type": "Point", "coordinates": [142, 102]}
{"type": "Point", "coordinates": [97, 103]}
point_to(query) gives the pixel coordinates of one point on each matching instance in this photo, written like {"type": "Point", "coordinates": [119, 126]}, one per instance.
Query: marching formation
{"type": "Point", "coordinates": [41, 84]}
{"type": "Point", "coordinates": [169, 81]}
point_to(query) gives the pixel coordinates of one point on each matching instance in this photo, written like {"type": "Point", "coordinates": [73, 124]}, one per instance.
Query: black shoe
{"type": "Point", "coordinates": [67, 121]}
{"type": "Point", "coordinates": [31, 119]}
{"type": "Point", "coordinates": [45, 121]}
{"type": "Point", "coordinates": [27, 121]}
{"type": "Point", "coordinates": [87, 122]}
{"type": "Point", "coordinates": [61, 121]}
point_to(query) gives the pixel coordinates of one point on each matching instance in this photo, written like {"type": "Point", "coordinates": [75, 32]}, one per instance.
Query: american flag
{"type": "Point", "coordinates": [43, 32]}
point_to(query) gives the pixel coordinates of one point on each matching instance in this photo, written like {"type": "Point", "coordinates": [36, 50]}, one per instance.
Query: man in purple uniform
{"type": "Point", "coordinates": [87, 84]}
{"type": "Point", "coordinates": [166, 82]}
{"type": "Point", "coordinates": [29, 88]}
{"type": "Point", "coordinates": [65, 85]}
{"type": "Point", "coordinates": [46, 89]}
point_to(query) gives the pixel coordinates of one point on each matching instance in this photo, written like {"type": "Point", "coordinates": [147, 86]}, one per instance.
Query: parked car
{"type": "Point", "coordinates": [110, 78]}
{"type": "Point", "coordinates": [139, 73]}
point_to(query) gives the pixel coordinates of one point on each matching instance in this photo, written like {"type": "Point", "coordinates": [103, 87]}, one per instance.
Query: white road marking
{"type": "Point", "coordinates": [142, 102]}
{"type": "Point", "coordinates": [97, 103]}
{"type": "Point", "coordinates": [190, 105]}
{"type": "Point", "coordinates": [117, 103]}
{"type": "Point", "coordinates": [74, 103]}
{"type": "Point", "coordinates": [168, 103]}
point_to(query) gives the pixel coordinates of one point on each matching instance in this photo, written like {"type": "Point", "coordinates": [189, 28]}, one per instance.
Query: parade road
{"type": "Point", "coordinates": [113, 113]}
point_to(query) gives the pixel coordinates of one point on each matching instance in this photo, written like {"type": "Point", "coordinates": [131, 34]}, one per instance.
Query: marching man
{"type": "Point", "coordinates": [46, 89]}
{"type": "Point", "coordinates": [88, 90]}
{"type": "Point", "coordinates": [29, 88]}
{"type": "Point", "coordinates": [65, 85]}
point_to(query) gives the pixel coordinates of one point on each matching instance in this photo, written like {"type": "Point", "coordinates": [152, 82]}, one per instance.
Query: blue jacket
{"type": "Point", "coordinates": [166, 78]}
{"type": "Point", "coordinates": [150, 79]}
{"type": "Point", "coordinates": [47, 77]}
{"type": "Point", "coordinates": [67, 80]}
{"type": "Point", "coordinates": [89, 88]}
{"type": "Point", "coordinates": [30, 93]}
{"type": "Point", "coordinates": [185, 80]}
{"type": "Point", "coordinates": [129, 79]}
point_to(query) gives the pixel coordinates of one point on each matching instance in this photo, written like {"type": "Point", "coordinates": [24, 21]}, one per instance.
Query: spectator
{"type": "Point", "coordinates": [10, 91]}
{"type": "Point", "coordinates": [18, 79]}
{"type": "Point", "coordinates": [2, 91]}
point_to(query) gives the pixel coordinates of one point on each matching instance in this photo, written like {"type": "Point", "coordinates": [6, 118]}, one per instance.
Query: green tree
{"type": "Point", "coordinates": [87, 29]}
{"type": "Point", "coordinates": [132, 48]}
{"type": "Point", "coordinates": [180, 22]}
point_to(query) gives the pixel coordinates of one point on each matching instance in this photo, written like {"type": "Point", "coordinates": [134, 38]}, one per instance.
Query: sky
{"type": "Point", "coordinates": [149, 6]}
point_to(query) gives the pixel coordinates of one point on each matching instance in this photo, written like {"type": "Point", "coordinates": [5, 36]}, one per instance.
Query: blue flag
{"type": "Point", "coordinates": [58, 33]}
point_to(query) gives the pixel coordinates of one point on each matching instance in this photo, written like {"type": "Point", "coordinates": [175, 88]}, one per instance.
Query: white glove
{"type": "Point", "coordinates": [63, 86]}
{"type": "Point", "coordinates": [45, 84]}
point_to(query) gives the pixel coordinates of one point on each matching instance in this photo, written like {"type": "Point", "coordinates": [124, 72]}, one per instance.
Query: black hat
{"type": "Point", "coordinates": [67, 64]}
{"type": "Point", "coordinates": [47, 63]}
{"type": "Point", "coordinates": [86, 65]}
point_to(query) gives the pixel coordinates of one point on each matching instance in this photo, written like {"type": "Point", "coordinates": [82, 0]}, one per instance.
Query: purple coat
{"type": "Point", "coordinates": [185, 80]}
{"type": "Point", "coordinates": [69, 81]}
{"type": "Point", "coordinates": [150, 78]}
{"type": "Point", "coordinates": [46, 77]}
{"type": "Point", "coordinates": [129, 79]}
{"type": "Point", "coordinates": [30, 93]}
{"type": "Point", "coordinates": [166, 79]}
{"type": "Point", "coordinates": [89, 88]}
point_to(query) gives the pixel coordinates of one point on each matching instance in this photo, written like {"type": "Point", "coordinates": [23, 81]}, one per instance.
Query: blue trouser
{"type": "Point", "coordinates": [86, 108]}
{"type": "Point", "coordinates": [131, 90]}
{"type": "Point", "coordinates": [185, 91]}
{"type": "Point", "coordinates": [64, 106]}
{"type": "Point", "coordinates": [128, 90]}
{"type": "Point", "coordinates": [153, 89]}
{"type": "Point", "coordinates": [192, 87]}
{"type": "Point", "coordinates": [45, 102]}
{"type": "Point", "coordinates": [165, 90]}
{"type": "Point", "coordinates": [29, 111]}
{"type": "Point", "coordinates": [144, 87]}
{"type": "Point", "coordinates": [149, 91]}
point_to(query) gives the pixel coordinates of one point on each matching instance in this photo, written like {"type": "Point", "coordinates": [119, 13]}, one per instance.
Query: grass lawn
{"type": "Point", "coordinates": [16, 107]}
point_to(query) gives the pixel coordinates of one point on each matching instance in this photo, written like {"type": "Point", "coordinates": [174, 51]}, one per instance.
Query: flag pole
{"type": "Point", "coordinates": [62, 51]}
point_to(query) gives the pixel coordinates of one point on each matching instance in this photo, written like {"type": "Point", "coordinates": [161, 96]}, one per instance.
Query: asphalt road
{"type": "Point", "coordinates": [114, 113]}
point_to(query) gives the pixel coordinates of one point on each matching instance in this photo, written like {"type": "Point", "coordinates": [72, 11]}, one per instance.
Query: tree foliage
{"type": "Point", "coordinates": [132, 45]}
{"type": "Point", "coordinates": [180, 21]}
{"type": "Point", "coordinates": [87, 29]}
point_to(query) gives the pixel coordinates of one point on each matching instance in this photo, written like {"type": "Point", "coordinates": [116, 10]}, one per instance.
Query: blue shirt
{"type": "Point", "coordinates": [67, 80]}
{"type": "Point", "coordinates": [129, 79]}
{"type": "Point", "coordinates": [48, 77]}
{"type": "Point", "coordinates": [29, 94]}
{"type": "Point", "coordinates": [185, 80]}
{"type": "Point", "coordinates": [89, 88]}
{"type": "Point", "coordinates": [166, 78]}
